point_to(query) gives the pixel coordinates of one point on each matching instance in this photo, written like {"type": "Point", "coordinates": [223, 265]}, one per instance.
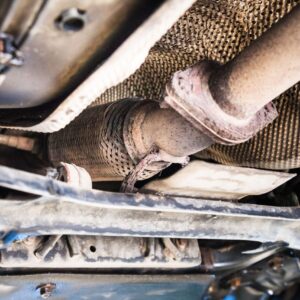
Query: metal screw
{"type": "Point", "coordinates": [46, 290]}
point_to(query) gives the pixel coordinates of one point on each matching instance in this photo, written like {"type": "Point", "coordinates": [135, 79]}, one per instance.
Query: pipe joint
{"type": "Point", "coordinates": [189, 94]}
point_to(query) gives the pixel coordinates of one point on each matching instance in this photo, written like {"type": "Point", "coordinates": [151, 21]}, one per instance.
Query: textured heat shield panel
{"type": "Point", "coordinates": [214, 181]}
{"type": "Point", "coordinates": [275, 147]}
{"type": "Point", "coordinates": [219, 30]}
{"type": "Point", "coordinates": [95, 142]}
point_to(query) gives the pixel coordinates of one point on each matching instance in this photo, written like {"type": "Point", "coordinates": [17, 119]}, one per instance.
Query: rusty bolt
{"type": "Point", "coordinates": [46, 290]}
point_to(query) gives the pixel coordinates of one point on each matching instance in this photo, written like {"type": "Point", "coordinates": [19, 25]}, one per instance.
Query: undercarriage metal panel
{"type": "Point", "coordinates": [114, 287]}
{"type": "Point", "coordinates": [63, 209]}
{"type": "Point", "coordinates": [57, 60]}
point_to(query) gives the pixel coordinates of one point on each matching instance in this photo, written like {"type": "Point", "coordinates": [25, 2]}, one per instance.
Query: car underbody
{"type": "Point", "coordinates": [149, 149]}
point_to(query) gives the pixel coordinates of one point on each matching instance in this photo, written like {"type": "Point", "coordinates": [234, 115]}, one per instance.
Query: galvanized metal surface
{"type": "Point", "coordinates": [112, 287]}
{"type": "Point", "coordinates": [66, 210]}
{"type": "Point", "coordinates": [200, 179]}
{"type": "Point", "coordinates": [96, 252]}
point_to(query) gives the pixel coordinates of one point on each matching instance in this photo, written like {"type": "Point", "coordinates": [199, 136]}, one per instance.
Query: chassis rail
{"type": "Point", "coordinates": [64, 209]}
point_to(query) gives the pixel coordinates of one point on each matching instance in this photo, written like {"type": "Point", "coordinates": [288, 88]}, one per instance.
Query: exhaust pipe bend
{"type": "Point", "coordinates": [232, 102]}
{"type": "Point", "coordinates": [203, 105]}
{"type": "Point", "coordinates": [110, 140]}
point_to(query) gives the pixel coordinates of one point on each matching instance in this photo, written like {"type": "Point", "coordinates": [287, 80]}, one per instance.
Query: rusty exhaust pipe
{"type": "Point", "coordinates": [110, 140]}
{"type": "Point", "coordinates": [268, 67]}
{"type": "Point", "coordinates": [204, 104]}
{"type": "Point", "coordinates": [228, 102]}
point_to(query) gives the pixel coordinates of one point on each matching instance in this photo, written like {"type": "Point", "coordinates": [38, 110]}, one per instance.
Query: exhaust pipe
{"type": "Point", "coordinates": [204, 104]}
{"type": "Point", "coordinates": [230, 102]}
{"type": "Point", "coordinates": [262, 71]}
{"type": "Point", "coordinates": [110, 140]}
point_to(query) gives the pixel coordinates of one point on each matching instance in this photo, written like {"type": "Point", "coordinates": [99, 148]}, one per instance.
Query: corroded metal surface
{"type": "Point", "coordinates": [260, 73]}
{"type": "Point", "coordinates": [231, 103]}
{"type": "Point", "coordinates": [115, 140]}
{"type": "Point", "coordinates": [66, 210]}
{"type": "Point", "coordinates": [149, 124]}
{"type": "Point", "coordinates": [19, 142]}
{"type": "Point", "coordinates": [97, 252]}
{"type": "Point", "coordinates": [188, 93]}
{"type": "Point", "coordinates": [97, 142]}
